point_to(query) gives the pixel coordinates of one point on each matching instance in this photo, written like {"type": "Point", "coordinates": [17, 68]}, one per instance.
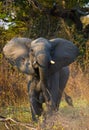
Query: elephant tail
{"type": "Point", "coordinates": [68, 99]}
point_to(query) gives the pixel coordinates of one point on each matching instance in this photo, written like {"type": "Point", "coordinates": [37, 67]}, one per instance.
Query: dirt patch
{"type": "Point", "coordinates": [76, 119]}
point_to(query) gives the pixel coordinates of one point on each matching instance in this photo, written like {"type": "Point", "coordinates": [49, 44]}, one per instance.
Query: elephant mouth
{"type": "Point", "coordinates": [40, 65]}
{"type": "Point", "coordinates": [35, 74]}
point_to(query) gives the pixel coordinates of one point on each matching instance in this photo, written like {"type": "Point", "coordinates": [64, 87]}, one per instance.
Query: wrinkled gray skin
{"type": "Point", "coordinates": [46, 81]}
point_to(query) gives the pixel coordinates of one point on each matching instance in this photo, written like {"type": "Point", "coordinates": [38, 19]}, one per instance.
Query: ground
{"type": "Point", "coordinates": [67, 118]}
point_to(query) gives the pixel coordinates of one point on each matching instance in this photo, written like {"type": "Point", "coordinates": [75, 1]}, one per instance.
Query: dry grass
{"type": "Point", "coordinates": [14, 101]}
{"type": "Point", "coordinates": [13, 85]}
{"type": "Point", "coordinates": [78, 84]}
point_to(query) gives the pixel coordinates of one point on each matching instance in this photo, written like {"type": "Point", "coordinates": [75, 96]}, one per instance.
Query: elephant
{"type": "Point", "coordinates": [46, 64]}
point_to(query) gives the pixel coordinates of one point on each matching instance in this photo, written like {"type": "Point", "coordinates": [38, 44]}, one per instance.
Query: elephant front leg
{"type": "Point", "coordinates": [36, 106]}
{"type": "Point", "coordinates": [63, 79]}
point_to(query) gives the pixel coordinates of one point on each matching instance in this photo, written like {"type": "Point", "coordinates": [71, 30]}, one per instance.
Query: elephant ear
{"type": "Point", "coordinates": [16, 48]}
{"type": "Point", "coordinates": [63, 52]}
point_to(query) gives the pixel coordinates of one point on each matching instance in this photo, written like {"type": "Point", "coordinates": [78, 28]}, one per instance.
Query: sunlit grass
{"type": "Point", "coordinates": [22, 113]}
{"type": "Point", "coordinates": [76, 102]}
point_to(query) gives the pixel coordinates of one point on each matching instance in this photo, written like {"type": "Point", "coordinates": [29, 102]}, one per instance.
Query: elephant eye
{"type": "Point", "coordinates": [28, 63]}
{"type": "Point", "coordinates": [23, 59]}
{"type": "Point", "coordinates": [31, 50]}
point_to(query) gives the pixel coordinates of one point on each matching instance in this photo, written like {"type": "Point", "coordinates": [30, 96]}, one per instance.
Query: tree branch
{"type": "Point", "coordinates": [35, 4]}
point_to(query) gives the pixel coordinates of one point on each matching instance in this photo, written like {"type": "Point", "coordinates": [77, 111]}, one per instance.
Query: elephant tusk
{"type": "Point", "coordinates": [52, 62]}
{"type": "Point", "coordinates": [34, 62]}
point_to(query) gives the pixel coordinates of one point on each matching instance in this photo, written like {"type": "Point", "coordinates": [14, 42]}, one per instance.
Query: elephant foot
{"type": "Point", "coordinates": [52, 107]}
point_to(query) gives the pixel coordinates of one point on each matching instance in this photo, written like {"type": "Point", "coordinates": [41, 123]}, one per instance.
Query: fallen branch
{"type": "Point", "coordinates": [11, 122]}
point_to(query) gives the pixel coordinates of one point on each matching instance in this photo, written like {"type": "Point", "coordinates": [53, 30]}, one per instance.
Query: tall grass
{"type": "Point", "coordinates": [13, 84]}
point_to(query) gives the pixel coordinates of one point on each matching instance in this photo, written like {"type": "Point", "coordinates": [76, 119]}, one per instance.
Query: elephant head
{"type": "Point", "coordinates": [41, 49]}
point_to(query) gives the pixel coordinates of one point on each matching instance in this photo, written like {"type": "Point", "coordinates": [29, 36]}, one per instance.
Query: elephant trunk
{"type": "Point", "coordinates": [44, 59]}
{"type": "Point", "coordinates": [43, 62]}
